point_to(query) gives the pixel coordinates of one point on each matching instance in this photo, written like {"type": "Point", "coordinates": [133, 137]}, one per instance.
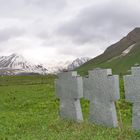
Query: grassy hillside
{"type": "Point", "coordinates": [119, 65]}
{"type": "Point", "coordinates": [112, 58]}
{"type": "Point", "coordinates": [30, 112]}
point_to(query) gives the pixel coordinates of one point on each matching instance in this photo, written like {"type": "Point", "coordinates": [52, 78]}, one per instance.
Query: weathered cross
{"type": "Point", "coordinates": [102, 89]}
{"type": "Point", "coordinates": [132, 94]}
{"type": "Point", "coordinates": [69, 90]}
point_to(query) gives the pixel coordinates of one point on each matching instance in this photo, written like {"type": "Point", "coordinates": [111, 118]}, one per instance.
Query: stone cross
{"type": "Point", "coordinates": [102, 89]}
{"type": "Point", "coordinates": [132, 94]}
{"type": "Point", "coordinates": [69, 89]}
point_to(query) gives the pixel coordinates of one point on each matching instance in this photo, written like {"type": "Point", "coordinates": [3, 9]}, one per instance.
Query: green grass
{"type": "Point", "coordinates": [30, 112]}
{"type": "Point", "coordinates": [26, 80]}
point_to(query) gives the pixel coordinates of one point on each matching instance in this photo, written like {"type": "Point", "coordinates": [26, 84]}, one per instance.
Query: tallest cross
{"type": "Point", "coordinates": [102, 89]}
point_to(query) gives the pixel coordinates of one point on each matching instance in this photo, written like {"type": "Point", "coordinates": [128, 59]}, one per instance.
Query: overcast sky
{"type": "Point", "coordinates": [49, 31]}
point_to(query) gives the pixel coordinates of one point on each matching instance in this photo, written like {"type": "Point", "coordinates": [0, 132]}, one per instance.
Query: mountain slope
{"type": "Point", "coordinates": [119, 56]}
{"type": "Point", "coordinates": [78, 62]}
{"type": "Point", "coordinates": [68, 65]}
{"type": "Point", "coordinates": [17, 64]}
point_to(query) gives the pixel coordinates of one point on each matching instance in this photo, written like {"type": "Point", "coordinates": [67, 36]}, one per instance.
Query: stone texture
{"type": "Point", "coordinates": [132, 94]}
{"type": "Point", "coordinates": [69, 89]}
{"type": "Point", "coordinates": [102, 89]}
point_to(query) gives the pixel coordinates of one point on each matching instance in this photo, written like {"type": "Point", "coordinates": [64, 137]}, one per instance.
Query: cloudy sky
{"type": "Point", "coordinates": [52, 31]}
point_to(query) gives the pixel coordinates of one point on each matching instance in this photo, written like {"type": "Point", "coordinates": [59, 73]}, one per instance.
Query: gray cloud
{"type": "Point", "coordinates": [30, 8]}
{"type": "Point", "coordinates": [101, 22]}
{"type": "Point", "coordinates": [9, 33]}
{"type": "Point", "coordinates": [47, 4]}
{"type": "Point", "coordinates": [64, 29]}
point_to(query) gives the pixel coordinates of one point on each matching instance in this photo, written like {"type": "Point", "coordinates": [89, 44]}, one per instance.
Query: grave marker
{"type": "Point", "coordinates": [102, 89]}
{"type": "Point", "coordinates": [69, 89]}
{"type": "Point", "coordinates": [132, 94]}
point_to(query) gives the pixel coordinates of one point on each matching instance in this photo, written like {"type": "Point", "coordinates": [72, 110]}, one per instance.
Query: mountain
{"type": "Point", "coordinates": [16, 64]}
{"type": "Point", "coordinates": [120, 56]}
{"type": "Point", "coordinates": [78, 62]}
{"type": "Point", "coordinates": [57, 67]}
{"type": "Point", "coordinates": [68, 65]}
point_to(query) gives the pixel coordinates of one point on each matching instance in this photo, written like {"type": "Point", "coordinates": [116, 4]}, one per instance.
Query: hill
{"type": "Point", "coordinates": [119, 56]}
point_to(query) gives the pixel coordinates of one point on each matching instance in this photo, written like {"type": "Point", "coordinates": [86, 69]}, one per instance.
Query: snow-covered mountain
{"type": "Point", "coordinates": [58, 67]}
{"type": "Point", "coordinates": [78, 62]}
{"type": "Point", "coordinates": [17, 64]}
{"type": "Point", "coordinates": [68, 65]}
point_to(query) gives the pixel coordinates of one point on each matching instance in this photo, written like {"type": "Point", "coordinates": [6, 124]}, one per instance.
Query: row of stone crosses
{"type": "Point", "coordinates": [101, 88]}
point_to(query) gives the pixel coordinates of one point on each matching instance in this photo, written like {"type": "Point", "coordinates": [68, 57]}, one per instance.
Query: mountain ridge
{"type": "Point", "coordinates": [113, 57]}
{"type": "Point", "coordinates": [16, 64]}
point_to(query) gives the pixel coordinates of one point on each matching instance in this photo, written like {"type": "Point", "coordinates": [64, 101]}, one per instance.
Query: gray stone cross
{"type": "Point", "coordinates": [132, 94]}
{"type": "Point", "coordinates": [102, 89]}
{"type": "Point", "coordinates": [69, 89]}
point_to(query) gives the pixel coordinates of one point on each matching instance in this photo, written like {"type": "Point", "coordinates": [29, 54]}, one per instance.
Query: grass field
{"type": "Point", "coordinates": [29, 111]}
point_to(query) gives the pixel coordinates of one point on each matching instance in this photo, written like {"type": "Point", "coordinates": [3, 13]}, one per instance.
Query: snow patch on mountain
{"type": "Point", "coordinates": [68, 65]}
{"type": "Point", "coordinates": [78, 62]}
{"type": "Point", "coordinates": [125, 52]}
{"type": "Point", "coordinates": [16, 64]}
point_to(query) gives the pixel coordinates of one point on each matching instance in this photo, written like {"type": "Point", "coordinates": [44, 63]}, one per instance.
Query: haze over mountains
{"type": "Point", "coordinates": [16, 64]}
{"type": "Point", "coordinates": [120, 56]}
